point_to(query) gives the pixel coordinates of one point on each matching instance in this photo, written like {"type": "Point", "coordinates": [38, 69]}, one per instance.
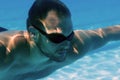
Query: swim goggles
{"type": "Point", "coordinates": [55, 37]}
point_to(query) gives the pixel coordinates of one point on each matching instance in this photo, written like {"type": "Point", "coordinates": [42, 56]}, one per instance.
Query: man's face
{"type": "Point", "coordinates": [54, 24]}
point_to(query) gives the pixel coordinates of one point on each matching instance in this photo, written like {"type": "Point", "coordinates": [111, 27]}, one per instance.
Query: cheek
{"type": "Point", "coordinates": [49, 47]}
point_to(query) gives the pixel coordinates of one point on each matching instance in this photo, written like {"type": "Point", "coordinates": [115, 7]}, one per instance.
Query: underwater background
{"type": "Point", "coordinates": [100, 64]}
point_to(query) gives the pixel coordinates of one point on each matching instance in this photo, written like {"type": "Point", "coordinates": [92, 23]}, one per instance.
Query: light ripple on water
{"type": "Point", "coordinates": [101, 65]}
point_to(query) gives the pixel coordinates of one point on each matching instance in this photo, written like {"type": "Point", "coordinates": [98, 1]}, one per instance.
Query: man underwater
{"type": "Point", "coordinates": [49, 42]}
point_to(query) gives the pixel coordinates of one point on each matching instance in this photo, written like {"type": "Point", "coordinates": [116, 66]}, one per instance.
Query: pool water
{"type": "Point", "coordinates": [100, 64]}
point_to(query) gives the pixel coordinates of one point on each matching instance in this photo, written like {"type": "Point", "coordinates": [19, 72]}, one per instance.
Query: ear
{"type": "Point", "coordinates": [34, 33]}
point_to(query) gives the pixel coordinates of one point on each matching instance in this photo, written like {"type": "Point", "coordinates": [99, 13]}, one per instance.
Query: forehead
{"type": "Point", "coordinates": [61, 22]}
{"type": "Point", "coordinates": [52, 13]}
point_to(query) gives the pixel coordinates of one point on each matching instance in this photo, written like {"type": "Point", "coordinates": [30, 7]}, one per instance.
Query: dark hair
{"type": "Point", "coordinates": [40, 9]}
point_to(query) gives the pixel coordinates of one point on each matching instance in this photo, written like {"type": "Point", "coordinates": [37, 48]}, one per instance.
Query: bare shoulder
{"type": "Point", "coordinates": [80, 43]}
{"type": "Point", "coordinates": [14, 42]}
{"type": "Point", "coordinates": [6, 37]}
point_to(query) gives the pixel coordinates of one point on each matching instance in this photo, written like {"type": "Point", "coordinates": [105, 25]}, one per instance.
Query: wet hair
{"type": "Point", "coordinates": [40, 8]}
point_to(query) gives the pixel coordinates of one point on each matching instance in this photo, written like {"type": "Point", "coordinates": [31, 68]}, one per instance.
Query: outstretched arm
{"type": "Point", "coordinates": [112, 33]}
{"type": "Point", "coordinates": [101, 36]}
{"type": "Point", "coordinates": [86, 40]}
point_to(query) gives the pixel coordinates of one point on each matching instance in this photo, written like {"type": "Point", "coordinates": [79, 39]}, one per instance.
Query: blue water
{"type": "Point", "coordinates": [101, 64]}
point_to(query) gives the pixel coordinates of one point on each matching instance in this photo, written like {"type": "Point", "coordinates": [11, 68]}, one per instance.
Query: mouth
{"type": "Point", "coordinates": [59, 55]}
{"type": "Point", "coordinates": [62, 53]}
